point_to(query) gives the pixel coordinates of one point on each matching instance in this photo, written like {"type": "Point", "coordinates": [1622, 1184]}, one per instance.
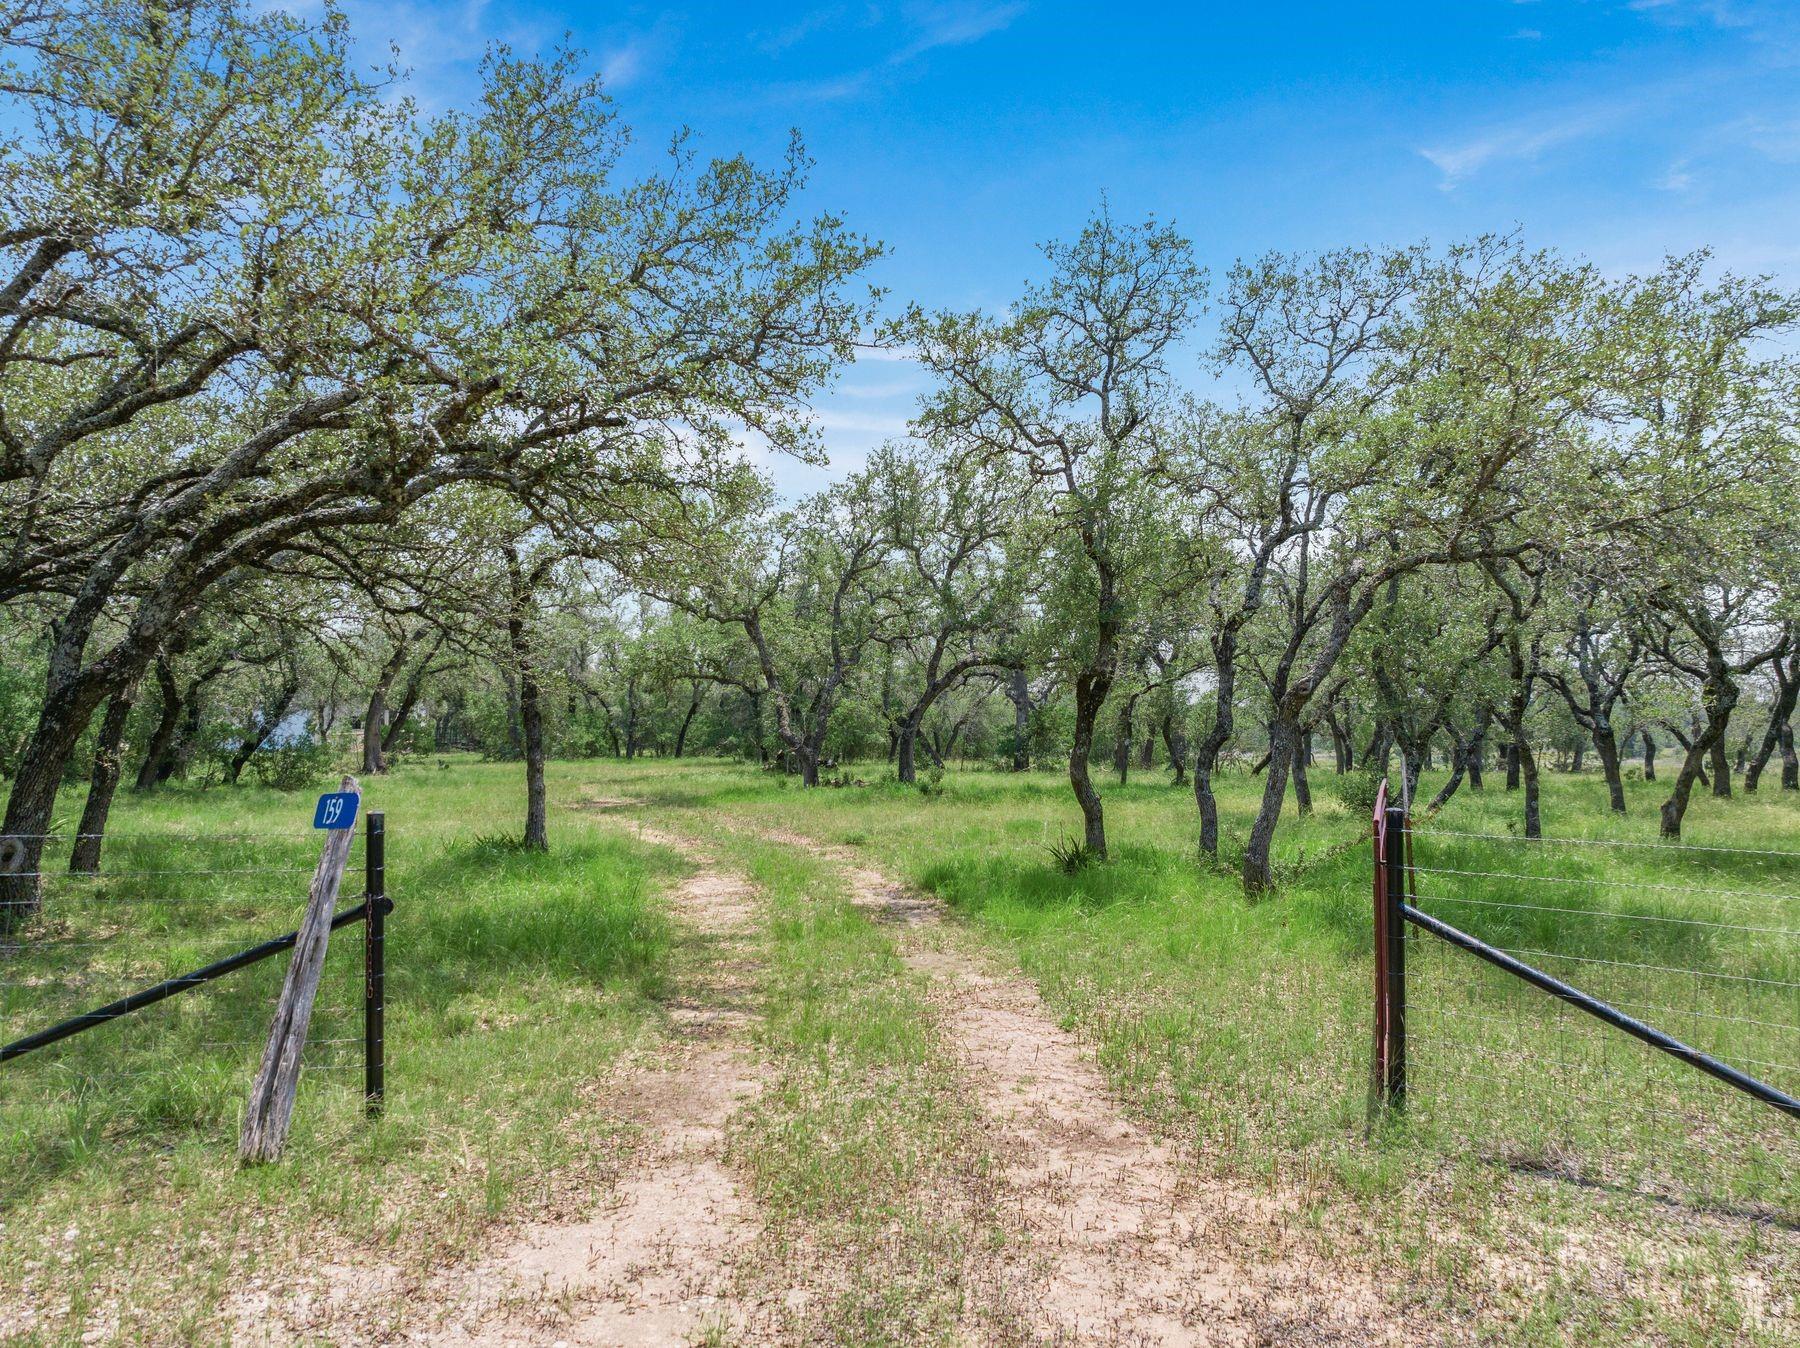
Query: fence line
{"type": "Point", "coordinates": [84, 935]}
{"type": "Point", "coordinates": [1793, 856]}
{"type": "Point", "coordinates": [1487, 1050]}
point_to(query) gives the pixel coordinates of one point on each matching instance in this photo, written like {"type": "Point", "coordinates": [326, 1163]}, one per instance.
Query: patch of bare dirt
{"type": "Point", "coordinates": [1126, 1244]}
{"type": "Point", "coordinates": [655, 1264]}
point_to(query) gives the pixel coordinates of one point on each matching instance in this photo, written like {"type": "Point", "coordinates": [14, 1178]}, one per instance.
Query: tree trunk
{"type": "Point", "coordinates": [1122, 745]}
{"type": "Point", "coordinates": [1019, 691]}
{"type": "Point", "coordinates": [168, 721]}
{"type": "Point", "coordinates": [1377, 747]}
{"type": "Point", "coordinates": [1284, 739]}
{"type": "Point", "coordinates": [1649, 754]}
{"type": "Point", "coordinates": [65, 713]}
{"type": "Point", "coordinates": [374, 759]}
{"type": "Point", "coordinates": [1790, 762]}
{"type": "Point", "coordinates": [756, 727]}
{"type": "Point", "coordinates": [265, 726]}
{"type": "Point", "coordinates": [1528, 772]}
{"type": "Point", "coordinates": [1675, 807]}
{"type": "Point", "coordinates": [1719, 697]}
{"type": "Point", "coordinates": [1721, 766]}
{"type": "Point", "coordinates": [1459, 762]}
{"type": "Point", "coordinates": [1340, 744]}
{"type": "Point", "coordinates": [514, 741]}
{"type": "Point", "coordinates": [1302, 787]}
{"type": "Point", "coordinates": [1091, 689]}
{"type": "Point", "coordinates": [531, 719]}
{"type": "Point", "coordinates": [1477, 748]}
{"type": "Point", "coordinates": [906, 741]}
{"type": "Point", "coordinates": [187, 743]}
{"type": "Point", "coordinates": [1174, 744]}
{"type": "Point", "coordinates": [1522, 766]}
{"type": "Point", "coordinates": [1787, 693]}
{"type": "Point", "coordinates": [1206, 752]}
{"type": "Point", "coordinates": [523, 672]}
{"type": "Point", "coordinates": [906, 747]}
{"type": "Point", "coordinates": [409, 698]}
{"type": "Point", "coordinates": [1606, 744]}
{"type": "Point", "coordinates": [103, 781]}
{"type": "Point", "coordinates": [686, 721]}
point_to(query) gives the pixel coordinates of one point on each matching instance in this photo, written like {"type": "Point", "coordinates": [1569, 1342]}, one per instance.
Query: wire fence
{"type": "Point", "coordinates": [161, 905]}
{"type": "Point", "coordinates": [1699, 943]}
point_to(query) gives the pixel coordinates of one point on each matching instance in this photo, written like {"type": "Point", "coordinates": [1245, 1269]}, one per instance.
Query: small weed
{"type": "Point", "coordinates": [1072, 855]}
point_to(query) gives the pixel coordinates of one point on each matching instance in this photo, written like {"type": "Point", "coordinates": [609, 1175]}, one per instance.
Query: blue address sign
{"type": "Point", "coordinates": [336, 809]}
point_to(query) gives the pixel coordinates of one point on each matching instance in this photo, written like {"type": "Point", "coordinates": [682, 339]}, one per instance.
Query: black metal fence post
{"type": "Point", "coordinates": [375, 965]}
{"type": "Point", "coordinates": [1398, 859]}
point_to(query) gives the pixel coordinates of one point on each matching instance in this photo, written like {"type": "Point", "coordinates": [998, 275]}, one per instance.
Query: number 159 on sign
{"type": "Point", "coordinates": [336, 810]}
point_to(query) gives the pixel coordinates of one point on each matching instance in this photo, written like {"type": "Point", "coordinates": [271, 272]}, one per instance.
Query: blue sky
{"type": "Point", "coordinates": [962, 132]}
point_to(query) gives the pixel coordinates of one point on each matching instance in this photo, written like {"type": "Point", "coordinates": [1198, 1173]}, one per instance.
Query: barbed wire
{"type": "Point", "coordinates": [171, 903]}
{"type": "Point", "coordinates": [1608, 842]}
{"type": "Point", "coordinates": [1496, 1063]}
{"type": "Point", "coordinates": [1603, 882]}
{"type": "Point", "coordinates": [1623, 917]}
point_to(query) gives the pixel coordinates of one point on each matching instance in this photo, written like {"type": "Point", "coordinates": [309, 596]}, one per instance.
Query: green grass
{"type": "Point", "coordinates": [1549, 1182]}
{"type": "Point", "coordinates": [514, 980]}
{"type": "Point", "coordinates": [863, 1152]}
{"type": "Point", "coordinates": [1243, 1027]}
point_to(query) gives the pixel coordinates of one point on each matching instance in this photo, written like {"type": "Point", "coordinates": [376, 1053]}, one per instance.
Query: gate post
{"type": "Point", "coordinates": [375, 964]}
{"type": "Point", "coordinates": [1399, 857]}
{"type": "Point", "coordinates": [1387, 1086]}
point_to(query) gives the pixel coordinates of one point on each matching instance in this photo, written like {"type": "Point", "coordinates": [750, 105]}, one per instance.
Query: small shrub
{"type": "Point", "coordinates": [295, 766]}
{"type": "Point", "coordinates": [1357, 790]}
{"type": "Point", "coordinates": [932, 783]}
{"type": "Point", "coordinates": [1072, 855]}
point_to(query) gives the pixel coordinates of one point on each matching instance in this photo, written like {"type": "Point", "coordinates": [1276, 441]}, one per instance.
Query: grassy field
{"type": "Point", "coordinates": [1547, 1184]}
{"type": "Point", "coordinates": [514, 980]}
{"type": "Point", "coordinates": [1243, 1028]}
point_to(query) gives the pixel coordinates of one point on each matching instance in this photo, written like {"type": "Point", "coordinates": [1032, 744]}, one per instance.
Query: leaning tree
{"type": "Point", "coordinates": [404, 306]}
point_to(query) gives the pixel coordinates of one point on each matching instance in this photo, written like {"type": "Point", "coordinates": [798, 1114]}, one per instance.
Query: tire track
{"type": "Point", "coordinates": [657, 1263]}
{"type": "Point", "coordinates": [1125, 1243]}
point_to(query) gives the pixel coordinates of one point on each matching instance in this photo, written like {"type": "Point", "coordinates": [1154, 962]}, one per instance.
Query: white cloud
{"type": "Point", "coordinates": [800, 29]}
{"type": "Point", "coordinates": [1676, 177]}
{"type": "Point", "coordinates": [954, 25]}
{"type": "Point", "coordinates": [1507, 143]}
{"type": "Point", "coordinates": [833, 419]}
{"type": "Point", "coordinates": [919, 28]}
{"type": "Point", "coordinates": [622, 66]}
{"type": "Point", "coordinates": [1522, 141]}
{"type": "Point", "coordinates": [1774, 139]}
{"type": "Point", "coordinates": [828, 90]}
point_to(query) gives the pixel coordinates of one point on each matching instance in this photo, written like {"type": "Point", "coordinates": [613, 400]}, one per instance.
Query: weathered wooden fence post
{"type": "Point", "coordinates": [271, 1107]}
{"type": "Point", "coordinates": [1387, 1083]}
